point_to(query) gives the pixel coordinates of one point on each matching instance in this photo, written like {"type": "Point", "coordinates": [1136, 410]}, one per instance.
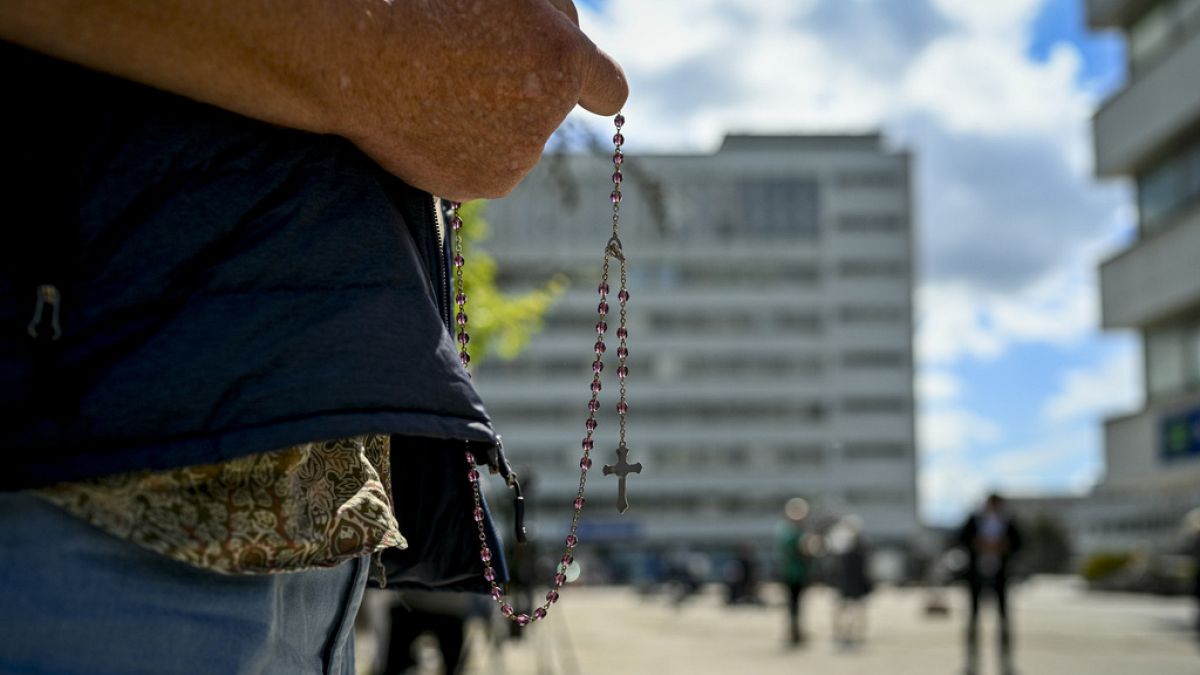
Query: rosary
{"type": "Point", "coordinates": [622, 468]}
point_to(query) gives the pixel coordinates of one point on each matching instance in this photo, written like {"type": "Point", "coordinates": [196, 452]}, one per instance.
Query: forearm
{"type": "Point", "coordinates": [456, 97]}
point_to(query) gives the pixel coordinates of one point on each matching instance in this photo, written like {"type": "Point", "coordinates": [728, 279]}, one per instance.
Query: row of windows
{"type": "Point", "coordinates": [670, 367]}
{"type": "Point", "coordinates": [1169, 187]}
{"type": "Point", "coordinates": [732, 411]}
{"type": "Point", "coordinates": [768, 505]}
{"type": "Point", "coordinates": [1173, 358]}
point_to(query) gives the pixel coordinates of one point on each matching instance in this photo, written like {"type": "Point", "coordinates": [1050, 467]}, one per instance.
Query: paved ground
{"type": "Point", "coordinates": [1060, 630]}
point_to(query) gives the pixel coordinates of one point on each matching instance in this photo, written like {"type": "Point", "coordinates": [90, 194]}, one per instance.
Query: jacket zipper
{"type": "Point", "coordinates": [442, 259]}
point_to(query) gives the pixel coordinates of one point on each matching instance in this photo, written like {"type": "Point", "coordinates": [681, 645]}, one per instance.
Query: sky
{"type": "Point", "coordinates": [994, 99]}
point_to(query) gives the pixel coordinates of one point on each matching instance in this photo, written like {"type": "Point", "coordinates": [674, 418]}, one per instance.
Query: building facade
{"type": "Point", "coordinates": [1150, 131]}
{"type": "Point", "coordinates": [770, 335]}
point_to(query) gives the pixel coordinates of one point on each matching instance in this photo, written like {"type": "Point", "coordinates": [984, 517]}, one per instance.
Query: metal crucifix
{"type": "Point", "coordinates": [622, 469]}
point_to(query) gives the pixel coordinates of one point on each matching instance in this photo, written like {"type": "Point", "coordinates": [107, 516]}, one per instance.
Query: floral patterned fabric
{"type": "Point", "coordinates": [313, 505]}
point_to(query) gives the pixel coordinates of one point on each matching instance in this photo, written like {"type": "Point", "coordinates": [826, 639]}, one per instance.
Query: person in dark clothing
{"type": "Point", "coordinates": [853, 582]}
{"type": "Point", "coordinates": [991, 539]}
{"type": "Point", "coordinates": [795, 560]}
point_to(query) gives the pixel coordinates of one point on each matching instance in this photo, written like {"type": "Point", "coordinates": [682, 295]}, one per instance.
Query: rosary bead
{"type": "Point", "coordinates": [617, 177]}
{"type": "Point", "coordinates": [622, 372]}
{"type": "Point", "coordinates": [489, 574]}
{"type": "Point", "coordinates": [465, 358]}
{"type": "Point", "coordinates": [599, 347]}
{"type": "Point", "coordinates": [602, 308]}
{"type": "Point", "coordinates": [560, 579]}
{"type": "Point", "coordinates": [618, 139]}
{"type": "Point", "coordinates": [460, 299]}
{"type": "Point", "coordinates": [458, 260]}
{"type": "Point", "coordinates": [595, 386]}
{"type": "Point", "coordinates": [587, 444]}
{"type": "Point", "coordinates": [585, 463]}
{"type": "Point", "coordinates": [622, 352]}
{"type": "Point", "coordinates": [461, 318]}
{"type": "Point", "coordinates": [623, 296]}
{"type": "Point", "coordinates": [552, 596]}
{"type": "Point", "coordinates": [463, 338]}
{"type": "Point", "coordinates": [456, 223]}
{"type": "Point", "coordinates": [567, 559]}
{"type": "Point", "coordinates": [470, 458]}
{"type": "Point", "coordinates": [485, 554]}
{"type": "Point", "coordinates": [603, 288]}
{"type": "Point", "coordinates": [496, 592]}
{"type": "Point", "coordinates": [593, 405]}
{"type": "Point", "coordinates": [601, 327]}
{"type": "Point", "coordinates": [454, 206]}
{"type": "Point", "coordinates": [616, 198]}
{"type": "Point", "coordinates": [597, 366]}
{"type": "Point", "coordinates": [619, 120]}
{"type": "Point", "coordinates": [590, 425]}
{"type": "Point", "coordinates": [539, 613]}
{"type": "Point", "coordinates": [478, 514]}
{"type": "Point", "coordinates": [572, 540]}
{"type": "Point", "coordinates": [618, 158]}
{"type": "Point", "coordinates": [622, 333]}
{"type": "Point", "coordinates": [579, 502]}
{"type": "Point", "coordinates": [473, 476]}
{"type": "Point", "coordinates": [622, 407]}
{"type": "Point", "coordinates": [522, 619]}
{"type": "Point", "coordinates": [506, 609]}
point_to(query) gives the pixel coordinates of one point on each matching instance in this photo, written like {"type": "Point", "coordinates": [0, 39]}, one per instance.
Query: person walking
{"type": "Point", "coordinates": [795, 559]}
{"type": "Point", "coordinates": [853, 582]}
{"type": "Point", "coordinates": [991, 538]}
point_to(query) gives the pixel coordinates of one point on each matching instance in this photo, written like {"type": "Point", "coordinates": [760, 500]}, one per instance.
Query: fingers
{"type": "Point", "coordinates": [604, 85]}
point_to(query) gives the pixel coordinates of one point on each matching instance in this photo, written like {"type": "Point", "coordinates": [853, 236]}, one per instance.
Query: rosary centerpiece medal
{"type": "Point", "coordinates": [614, 255]}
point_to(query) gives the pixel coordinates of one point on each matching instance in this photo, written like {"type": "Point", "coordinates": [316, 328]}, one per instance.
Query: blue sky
{"type": "Point", "coordinates": [994, 100]}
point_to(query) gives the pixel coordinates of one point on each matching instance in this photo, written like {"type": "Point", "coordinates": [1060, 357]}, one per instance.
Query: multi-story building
{"type": "Point", "coordinates": [1150, 131]}
{"type": "Point", "coordinates": [770, 336]}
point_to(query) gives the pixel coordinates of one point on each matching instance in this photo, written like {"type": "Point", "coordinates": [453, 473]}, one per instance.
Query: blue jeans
{"type": "Point", "coordinates": [74, 599]}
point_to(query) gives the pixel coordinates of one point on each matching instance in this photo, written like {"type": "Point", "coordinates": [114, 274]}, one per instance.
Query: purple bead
{"type": "Point", "coordinates": [478, 514]}
{"type": "Point", "coordinates": [596, 386]}
{"type": "Point", "coordinates": [473, 476]}
{"type": "Point", "coordinates": [460, 299]}
{"type": "Point", "coordinates": [618, 158]}
{"type": "Point", "coordinates": [597, 366]}
{"type": "Point", "coordinates": [506, 609]}
{"type": "Point", "coordinates": [560, 579]}
{"type": "Point", "coordinates": [579, 502]}
{"type": "Point", "coordinates": [601, 326]}
{"type": "Point", "coordinates": [552, 596]}
{"type": "Point", "coordinates": [585, 463]}
{"type": "Point", "coordinates": [490, 575]}
{"type": "Point", "coordinates": [522, 619]}
{"type": "Point", "coordinates": [622, 333]}
{"type": "Point", "coordinates": [622, 352]}
{"type": "Point", "coordinates": [463, 338]}
{"type": "Point", "coordinates": [603, 289]}
{"type": "Point", "coordinates": [454, 206]}
{"type": "Point", "coordinates": [496, 592]}
{"type": "Point", "coordinates": [617, 178]}
{"type": "Point", "coordinates": [539, 613]}
{"type": "Point", "coordinates": [456, 223]}
{"type": "Point", "coordinates": [622, 372]}
{"type": "Point", "coordinates": [572, 540]}
{"type": "Point", "coordinates": [567, 559]}
{"type": "Point", "coordinates": [458, 260]}
{"type": "Point", "coordinates": [599, 347]}
{"type": "Point", "coordinates": [622, 407]}
{"type": "Point", "coordinates": [618, 138]}
{"type": "Point", "coordinates": [593, 405]}
{"type": "Point", "coordinates": [465, 358]}
{"type": "Point", "coordinates": [485, 554]}
{"type": "Point", "coordinates": [619, 121]}
{"type": "Point", "coordinates": [470, 458]}
{"type": "Point", "coordinates": [615, 196]}
{"type": "Point", "coordinates": [590, 425]}
{"type": "Point", "coordinates": [623, 296]}
{"type": "Point", "coordinates": [461, 318]}
{"type": "Point", "coordinates": [602, 308]}
{"type": "Point", "coordinates": [587, 444]}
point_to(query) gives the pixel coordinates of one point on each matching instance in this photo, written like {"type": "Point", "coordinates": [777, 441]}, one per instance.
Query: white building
{"type": "Point", "coordinates": [1150, 131]}
{"type": "Point", "coordinates": [770, 337]}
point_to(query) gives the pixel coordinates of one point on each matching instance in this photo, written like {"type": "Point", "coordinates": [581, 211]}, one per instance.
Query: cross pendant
{"type": "Point", "coordinates": [622, 469]}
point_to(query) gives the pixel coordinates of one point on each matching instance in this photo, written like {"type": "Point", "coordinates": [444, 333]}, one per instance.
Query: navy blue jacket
{"type": "Point", "coordinates": [225, 287]}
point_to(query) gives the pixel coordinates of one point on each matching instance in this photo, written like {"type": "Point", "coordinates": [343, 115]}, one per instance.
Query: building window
{"type": "Point", "coordinates": [868, 179]}
{"type": "Point", "coordinates": [866, 451]}
{"type": "Point", "coordinates": [1165, 25]}
{"type": "Point", "coordinates": [875, 405]}
{"type": "Point", "coordinates": [872, 314]}
{"type": "Point", "coordinates": [871, 223]}
{"type": "Point", "coordinates": [874, 359]}
{"type": "Point", "coordinates": [873, 269]}
{"type": "Point", "coordinates": [780, 206]}
{"type": "Point", "coordinates": [1169, 187]}
{"type": "Point", "coordinates": [1173, 358]}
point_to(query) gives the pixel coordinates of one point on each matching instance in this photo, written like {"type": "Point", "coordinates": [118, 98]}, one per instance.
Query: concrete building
{"type": "Point", "coordinates": [1150, 131]}
{"type": "Point", "coordinates": [770, 338]}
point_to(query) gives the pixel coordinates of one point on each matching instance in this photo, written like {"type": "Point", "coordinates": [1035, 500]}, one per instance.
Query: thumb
{"type": "Point", "coordinates": [605, 88]}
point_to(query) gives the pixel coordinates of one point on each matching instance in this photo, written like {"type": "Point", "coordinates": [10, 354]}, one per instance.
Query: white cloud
{"type": "Point", "coordinates": [951, 432]}
{"type": "Point", "coordinates": [1113, 385]}
{"type": "Point", "coordinates": [934, 386]}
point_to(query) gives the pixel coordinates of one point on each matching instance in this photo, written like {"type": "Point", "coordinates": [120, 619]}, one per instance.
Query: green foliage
{"type": "Point", "coordinates": [501, 323]}
{"type": "Point", "coordinates": [1102, 565]}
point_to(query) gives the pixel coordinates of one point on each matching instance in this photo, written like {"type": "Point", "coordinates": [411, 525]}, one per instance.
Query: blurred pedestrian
{"type": "Point", "coordinates": [795, 563]}
{"type": "Point", "coordinates": [741, 577]}
{"type": "Point", "coordinates": [853, 581]}
{"type": "Point", "coordinates": [991, 538]}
